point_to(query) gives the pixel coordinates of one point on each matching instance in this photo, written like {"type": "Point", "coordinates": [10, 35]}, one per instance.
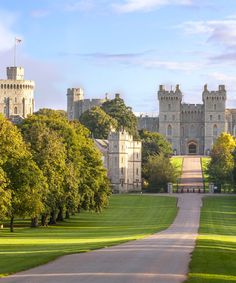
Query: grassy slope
{"type": "Point", "coordinates": [214, 259]}
{"type": "Point", "coordinates": [127, 218]}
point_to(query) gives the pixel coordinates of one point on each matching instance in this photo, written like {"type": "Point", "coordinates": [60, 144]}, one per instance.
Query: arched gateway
{"type": "Point", "coordinates": [192, 147]}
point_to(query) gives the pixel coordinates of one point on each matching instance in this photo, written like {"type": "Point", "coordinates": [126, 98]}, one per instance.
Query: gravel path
{"type": "Point", "coordinates": [192, 172]}
{"type": "Point", "coordinates": [160, 258]}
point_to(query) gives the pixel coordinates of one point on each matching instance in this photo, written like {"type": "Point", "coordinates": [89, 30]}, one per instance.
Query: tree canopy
{"type": "Point", "coordinates": [123, 114]}
{"type": "Point", "coordinates": [222, 160]}
{"type": "Point", "coordinates": [98, 122]}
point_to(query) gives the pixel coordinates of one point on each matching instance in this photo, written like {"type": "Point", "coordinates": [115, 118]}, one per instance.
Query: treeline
{"type": "Point", "coordinates": [222, 167]}
{"type": "Point", "coordinates": [49, 169]}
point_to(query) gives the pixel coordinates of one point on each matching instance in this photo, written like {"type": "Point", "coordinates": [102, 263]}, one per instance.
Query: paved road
{"type": "Point", "coordinates": [191, 173]}
{"type": "Point", "coordinates": [160, 258]}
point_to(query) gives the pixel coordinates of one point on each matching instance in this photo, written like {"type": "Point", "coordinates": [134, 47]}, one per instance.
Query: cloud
{"type": "Point", "coordinates": [147, 5]}
{"type": "Point", "coordinates": [7, 34]}
{"type": "Point", "coordinates": [221, 31]}
{"type": "Point", "coordinates": [142, 59]}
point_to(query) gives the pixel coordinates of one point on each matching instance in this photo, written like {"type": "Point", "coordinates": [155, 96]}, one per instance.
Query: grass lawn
{"type": "Point", "coordinates": [214, 259]}
{"type": "Point", "coordinates": [128, 217]}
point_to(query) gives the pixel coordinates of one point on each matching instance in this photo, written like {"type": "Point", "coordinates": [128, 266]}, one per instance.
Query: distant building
{"type": "Point", "coordinates": [77, 105]}
{"type": "Point", "coordinates": [16, 95]}
{"type": "Point", "coordinates": [191, 128]}
{"type": "Point", "coordinates": [122, 157]}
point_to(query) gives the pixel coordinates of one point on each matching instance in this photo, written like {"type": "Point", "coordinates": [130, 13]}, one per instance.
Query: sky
{"type": "Point", "coordinates": [121, 46]}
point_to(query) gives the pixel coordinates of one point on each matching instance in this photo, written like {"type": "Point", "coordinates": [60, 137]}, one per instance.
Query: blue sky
{"type": "Point", "coordinates": [124, 46]}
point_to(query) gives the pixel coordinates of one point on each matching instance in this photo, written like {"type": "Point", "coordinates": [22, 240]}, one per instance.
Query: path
{"type": "Point", "coordinates": [160, 258]}
{"type": "Point", "coordinates": [191, 173]}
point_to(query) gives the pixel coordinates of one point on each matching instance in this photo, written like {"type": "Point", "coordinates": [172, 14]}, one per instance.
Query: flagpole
{"type": "Point", "coordinates": [15, 53]}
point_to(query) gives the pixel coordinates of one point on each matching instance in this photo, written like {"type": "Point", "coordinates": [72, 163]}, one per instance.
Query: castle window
{"type": "Point", "coordinates": [210, 117]}
{"type": "Point", "coordinates": [173, 117]}
{"type": "Point", "coordinates": [165, 117]}
{"type": "Point", "coordinates": [5, 110]}
{"type": "Point", "coordinates": [169, 107]}
{"type": "Point", "coordinates": [214, 106]}
{"type": "Point", "coordinates": [137, 155]}
{"type": "Point", "coordinates": [15, 100]}
{"type": "Point", "coordinates": [15, 110]}
{"type": "Point", "coordinates": [136, 171]}
{"type": "Point", "coordinates": [122, 170]}
{"type": "Point", "coordinates": [219, 117]}
{"type": "Point", "coordinates": [169, 130]}
{"type": "Point", "coordinates": [215, 131]}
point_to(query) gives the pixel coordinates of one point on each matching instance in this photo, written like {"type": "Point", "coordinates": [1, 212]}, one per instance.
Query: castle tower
{"type": "Point", "coordinates": [74, 95]}
{"type": "Point", "coordinates": [214, 115]}
{"type": "Point", "coordinates": [169, 115]}
{"type": "Point", "coordinates": [16, 95]}
{"type": "Point", "coordinates": [124, 162]}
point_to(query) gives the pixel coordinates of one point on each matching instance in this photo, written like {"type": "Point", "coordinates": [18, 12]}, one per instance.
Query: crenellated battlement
{"type": "Point", "coordinates": [219, 94]}
{"type": "Point", "coordinates": [164, 94]}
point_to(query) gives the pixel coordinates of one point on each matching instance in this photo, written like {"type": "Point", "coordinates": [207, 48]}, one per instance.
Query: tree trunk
{"type": "Point", "coordinates": [12, 224]}
{"type": "Point", "coordinates": [60, 215]}
{"type": "Point", "coordinates": [34, 222]}
{"type": "Point", "coordinates": [52, 220]}
{"type": "Point", "coordinates": [44, 219]}
{"type": "Point", "coordinates": [67, 214]}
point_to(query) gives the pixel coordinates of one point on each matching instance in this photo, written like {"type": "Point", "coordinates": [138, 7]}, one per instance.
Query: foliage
{"type": "Point", "coordinates": [124, 115]}
{"type": "Point", "coordinates": [70, 162]}
{"type": "Point", "coordinates": [222, 162]}
{"type": "Point", "coordinates": [128, 217]}
{"type": "Point", "coordinates": [5, 195]}
{"type": "Point", "coordinates": [153, 144]}
{"type": "Point", "coordinates": [98, 122]}
{"type": "Point", "coordinates": [158, 172]}
{"type": "Point", "coordinates": [213, 259]}
{"type": "Point", "coordinates": [25, 181]}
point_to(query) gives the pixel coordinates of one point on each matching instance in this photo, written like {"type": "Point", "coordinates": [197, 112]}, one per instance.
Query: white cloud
{"type": "Point", "coordinates": [147, 5]}
{"type": "Point", "coordinates": [171, 65]}
{"type": "Point", "coordinates": [7, 34]}
{"type": "Point", "coordinates": [220, 31]}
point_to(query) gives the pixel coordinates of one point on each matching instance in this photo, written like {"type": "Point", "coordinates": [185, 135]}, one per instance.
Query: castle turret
{"type": "Point", "coordinates": [16, 95]}
{"type": "Point", "coordinates": [169, 115]}
{"type": "Point", "coordinates": [214, 115]}
{"type": "Point", "coordinates": [74, 95]}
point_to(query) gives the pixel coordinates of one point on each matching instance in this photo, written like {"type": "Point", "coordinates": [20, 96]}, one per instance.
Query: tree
{"type": "Point", "coordinates": [154, 144]}
{"type": "Point", "coordinates": [124, 116]}
{"type": "Point", "coordinates": [25, 181]}
{"type": "Point", "coordinates": [5, 196]}
{"type": "Point", "coordinates": [98, 122]}
{"type": "Point", "coordinates": [159, 171]}
{"type": "Point", "coordinates": [222, 164]}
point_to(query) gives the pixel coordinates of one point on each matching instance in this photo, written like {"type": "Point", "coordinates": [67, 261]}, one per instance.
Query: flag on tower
{"type": "Point", "coordinates": [18, 40]}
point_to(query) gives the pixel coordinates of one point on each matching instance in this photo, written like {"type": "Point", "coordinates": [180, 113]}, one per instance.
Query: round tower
{"type": "Point", "coordinates": [16, 95]}
{"type": "Point", "coordinates": [169, 115]}
{"type": "Point", "coordinates": [214, 115]}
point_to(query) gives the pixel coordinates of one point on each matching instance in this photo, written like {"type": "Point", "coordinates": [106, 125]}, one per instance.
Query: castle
{"type": "Point", "coordinates": [190, 128]}
{"type": "Point", "coordinates": [122, 156]}
{"type": "Point", "coordinates": [16, 95]}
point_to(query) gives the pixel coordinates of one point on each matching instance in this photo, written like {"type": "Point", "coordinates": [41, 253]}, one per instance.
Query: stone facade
{"type": "Point", "coordinates": [76, 104]}
{"type": "Point", "coordinates": [122, 157]}
{"type": "Point", "coordinates": [16, 95]}
{"type": "Point", "coordinates": [193, 128]}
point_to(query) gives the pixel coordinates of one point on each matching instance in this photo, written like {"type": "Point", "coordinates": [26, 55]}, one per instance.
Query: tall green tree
{"type": "Point", "coordinates": [98, 122]}
{"type": "Point", "coordinates": [159, 172]}
{"type": "Point", "coordinates": [123, 114]}
{"type": "Point", "coordinates": [5, 196]}
{"type": "Point", "coordinates": [25, 180]}
{"type": "Point", "coordinates": [154, 144]}
{"type": "Point", "coordinates": [222, 164]}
